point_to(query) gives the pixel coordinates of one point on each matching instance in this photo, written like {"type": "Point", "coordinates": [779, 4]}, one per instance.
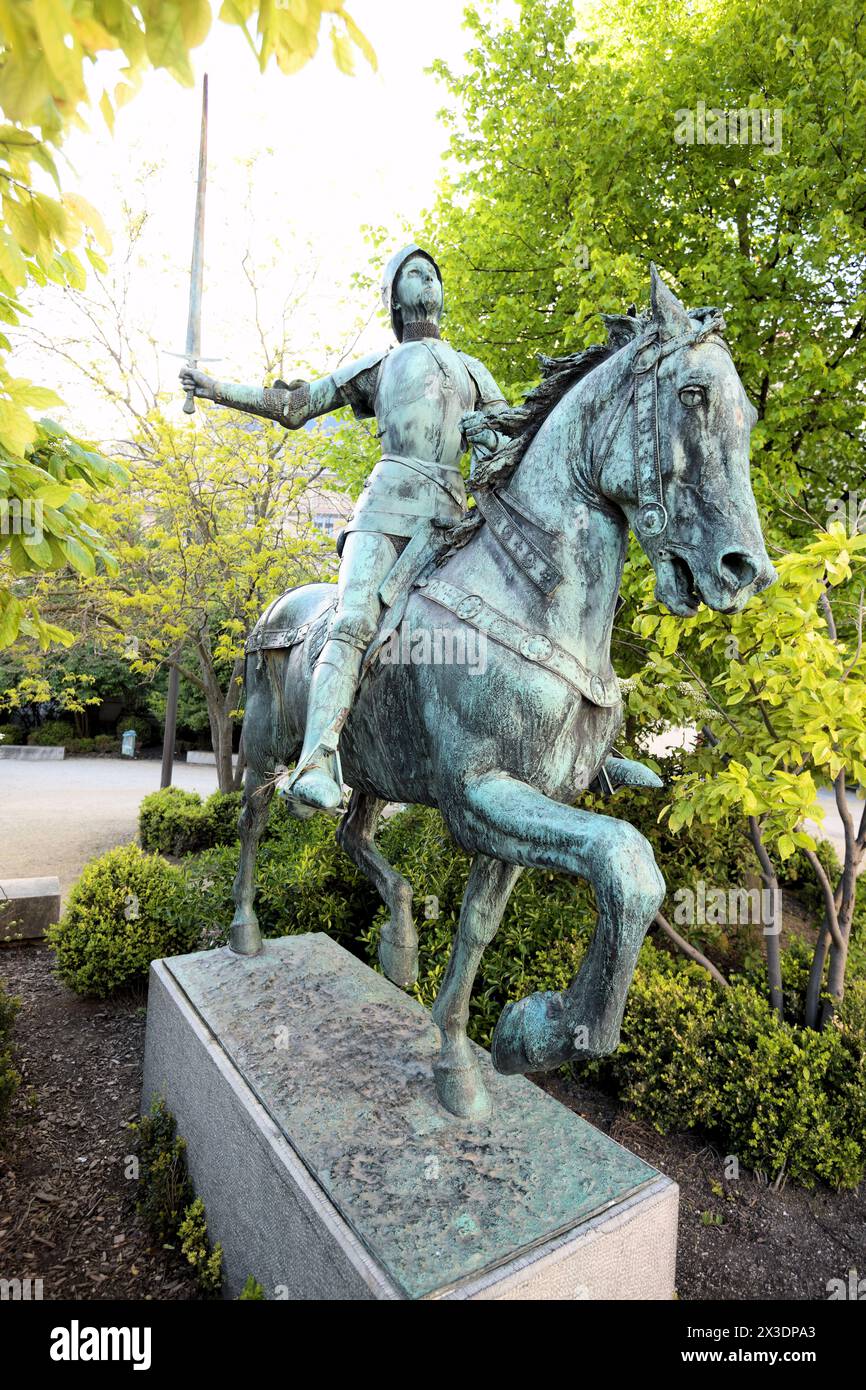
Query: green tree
{"type": "Point", "coordinates": [566, 178]}
{"type": "Point", "coordinates": [783, 694]}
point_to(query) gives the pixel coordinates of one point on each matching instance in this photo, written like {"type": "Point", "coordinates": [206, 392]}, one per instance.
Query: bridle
{"type": "Point", "coordinates": [651, 517]}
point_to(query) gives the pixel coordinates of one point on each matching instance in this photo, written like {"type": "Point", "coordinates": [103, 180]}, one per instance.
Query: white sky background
{"type": "Point", "coordinates": [332, 153]}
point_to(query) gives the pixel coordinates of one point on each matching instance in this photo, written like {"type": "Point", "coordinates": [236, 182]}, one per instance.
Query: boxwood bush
{"type": "Point", "coordinates": [173, 821]}
{"type": "Point", "coordinates": [125, 911]}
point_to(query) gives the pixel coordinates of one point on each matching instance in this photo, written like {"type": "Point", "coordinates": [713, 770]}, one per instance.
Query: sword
{"type": "Point", "coordinates": [196, 270]}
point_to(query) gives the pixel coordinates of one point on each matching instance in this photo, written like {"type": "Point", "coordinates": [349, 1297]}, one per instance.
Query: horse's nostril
{"type": "Point", "coordinates": [738, 569]}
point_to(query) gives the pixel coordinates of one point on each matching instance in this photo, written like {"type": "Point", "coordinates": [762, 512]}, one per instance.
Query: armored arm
{"type": "Point", "coordinates": [290, 405]}
{"type": "Point", "coordinates": [295, 403]}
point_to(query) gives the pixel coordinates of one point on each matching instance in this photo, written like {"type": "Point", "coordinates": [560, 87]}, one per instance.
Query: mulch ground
{"type": "Point", "coordinates": [67, 1208]}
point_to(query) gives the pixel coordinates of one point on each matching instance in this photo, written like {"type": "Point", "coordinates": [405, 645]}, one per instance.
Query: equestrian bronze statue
{"type": "Point", "coordinates": [650, 432]}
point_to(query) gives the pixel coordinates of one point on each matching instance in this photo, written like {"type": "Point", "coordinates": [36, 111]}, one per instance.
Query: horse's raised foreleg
{"type": "Point", "coordinates": [398, 942]}
{"type": "Point", "coordinates": [512, 820]}
{"type": "Point", "coordinates": [458, 1077]}
{"type": "Point", "coordinates": [246, 939]}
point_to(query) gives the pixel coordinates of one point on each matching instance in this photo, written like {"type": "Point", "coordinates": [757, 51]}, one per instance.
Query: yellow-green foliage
{"type": "Point", "coordinates": [167, 1202]}
{"type": "Point", "coordinates": [195, 1247]}
{"type": "Point", "coordinates": [121, 915]}
{"type": "Point", "coordinates": [46, 46]}
{"type": "Point", "coordinates": [10, 1080]}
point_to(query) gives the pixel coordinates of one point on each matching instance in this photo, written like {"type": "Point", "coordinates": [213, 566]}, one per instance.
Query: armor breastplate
{"type": "Point", "coordinates": [424, 388]}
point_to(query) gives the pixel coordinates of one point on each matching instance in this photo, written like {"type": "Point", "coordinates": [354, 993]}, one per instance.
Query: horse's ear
{"type": "Point", "coordinates": [669, 316]}
{"type": "Point", "coordinates": [621, 329]}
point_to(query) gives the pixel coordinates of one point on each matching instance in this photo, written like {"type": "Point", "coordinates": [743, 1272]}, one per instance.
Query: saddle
{"type": "Point", "coordinates": [431, 542]}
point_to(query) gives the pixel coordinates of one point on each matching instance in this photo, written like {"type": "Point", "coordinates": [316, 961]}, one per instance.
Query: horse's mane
{"type": "Point", "coordinates": [521, 423]}
{"type": "Point", "coordinates": [518, 425]}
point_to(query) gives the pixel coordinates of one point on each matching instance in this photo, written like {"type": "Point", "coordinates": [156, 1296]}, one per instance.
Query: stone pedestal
{"type": "Point", "coordinates": [302, 1083]}
{"type": "Point", "coordinates": [28, 906]}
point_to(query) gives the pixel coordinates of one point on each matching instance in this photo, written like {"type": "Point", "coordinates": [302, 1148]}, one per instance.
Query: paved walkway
{"type": "Point", "coordinates": [55, 816]}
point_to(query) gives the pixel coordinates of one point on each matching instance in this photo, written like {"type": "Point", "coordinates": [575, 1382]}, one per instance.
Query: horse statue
{"type": "Point", "coordinates": [650, 431]}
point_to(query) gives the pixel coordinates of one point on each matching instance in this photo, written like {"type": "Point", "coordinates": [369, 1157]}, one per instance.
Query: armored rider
{"type": "Point", "coordinates": [419, 393]}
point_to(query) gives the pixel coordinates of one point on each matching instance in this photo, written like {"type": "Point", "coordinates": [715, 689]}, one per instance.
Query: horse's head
{"type": "Point", "coordinates": [674, 456]}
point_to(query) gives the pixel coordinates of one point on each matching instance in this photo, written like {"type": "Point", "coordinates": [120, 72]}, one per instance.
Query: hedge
{"type": "Point", "coordinates": [173, 821]}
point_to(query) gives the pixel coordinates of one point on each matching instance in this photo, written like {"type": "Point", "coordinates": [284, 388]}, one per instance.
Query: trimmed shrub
{"type": "Point", "coordinates": [173, 821]}
{"type": "Point", "coordinates": [10, 1079]}
{"type": "Point", "coordinates": [11, 733]}
{"type": "Point", "coordinates": [305, 883]}
{"type": "Point", "coordinates": [122, 914]}
{"type": "Point", "coordinates": [103, 745]}
{"type": "Point", "coordinates": [163, 815]}
{"type": "Point", "coordinates": [52, 733]}
{"type": "Point", "coordinates": [780, 1097]}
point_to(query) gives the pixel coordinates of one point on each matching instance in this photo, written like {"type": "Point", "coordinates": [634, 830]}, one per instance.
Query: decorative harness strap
{"type": "Point", "coordinates": [511, 536]}
{"type": "Point", "coordinates": [535, 647]}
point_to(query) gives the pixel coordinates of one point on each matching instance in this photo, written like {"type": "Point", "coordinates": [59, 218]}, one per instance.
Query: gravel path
{"type": "Point", "coordinates": [54, 817]}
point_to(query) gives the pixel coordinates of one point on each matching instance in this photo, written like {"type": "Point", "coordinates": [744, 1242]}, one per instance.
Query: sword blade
{"type": "Point", "coordinates": [196, 270]}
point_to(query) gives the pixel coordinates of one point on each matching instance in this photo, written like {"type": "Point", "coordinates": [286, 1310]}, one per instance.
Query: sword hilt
{"type": "Point", "coordinates": [189, 403]}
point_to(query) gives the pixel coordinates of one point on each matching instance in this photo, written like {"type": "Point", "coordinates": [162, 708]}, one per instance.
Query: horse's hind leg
{"type": "Point", "coordinates": [246, 939]}
{"type": "Point", "coordinates": [459, 1084]}
{"type": "Point", "coordinates": [398, 943]}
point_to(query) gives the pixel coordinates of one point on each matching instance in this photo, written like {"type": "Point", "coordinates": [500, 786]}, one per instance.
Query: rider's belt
{"type": "Point", "coordinates": [513, 538]}
{"type": "Point", "coordinates": [535, 647]}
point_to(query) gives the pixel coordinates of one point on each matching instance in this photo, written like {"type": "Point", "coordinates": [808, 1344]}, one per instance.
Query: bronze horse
{"type": "Point", "coordinates": [650, 431]}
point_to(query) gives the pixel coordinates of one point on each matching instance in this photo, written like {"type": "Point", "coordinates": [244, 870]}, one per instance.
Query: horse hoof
{"type": "Point", "coordinates": [246, 939]}
{"type": "Point", "coordinates": [399, 963]}
{"type": "Point", "coordinates": [532, 1035]}
{"type": "Point", "coordinates": [461, 1090]}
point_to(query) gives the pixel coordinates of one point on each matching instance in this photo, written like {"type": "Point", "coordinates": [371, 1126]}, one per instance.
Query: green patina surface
{"type": "Point", "coordinates": [342, 1061]}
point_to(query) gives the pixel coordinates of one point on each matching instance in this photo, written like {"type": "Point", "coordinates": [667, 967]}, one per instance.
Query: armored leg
{"type": "Point", "coordinates": [367, 558]}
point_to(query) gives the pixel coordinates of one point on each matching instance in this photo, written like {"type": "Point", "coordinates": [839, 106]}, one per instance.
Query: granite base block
{"type": "Point", "coordinates": [32, 753]}
{"type": "Point", "coordinates": [302, 1083]}
{"type": "Point", "coordinates": [28, 906]}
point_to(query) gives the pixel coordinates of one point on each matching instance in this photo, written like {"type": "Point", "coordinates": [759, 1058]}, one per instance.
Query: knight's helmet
{"type": "Point", "coordinates": [392, 270]}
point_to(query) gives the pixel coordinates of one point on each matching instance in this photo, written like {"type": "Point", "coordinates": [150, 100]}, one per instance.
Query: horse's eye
{"type": "Point", "coordinates": [693, 395]}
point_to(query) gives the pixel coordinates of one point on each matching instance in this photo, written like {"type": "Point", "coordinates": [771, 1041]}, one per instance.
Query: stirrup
{"type": "Point", "coordinates": [324, 760]}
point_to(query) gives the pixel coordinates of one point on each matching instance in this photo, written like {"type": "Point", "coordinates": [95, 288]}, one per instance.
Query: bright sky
{"type": "Point", "coordinates": [331, 154]}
